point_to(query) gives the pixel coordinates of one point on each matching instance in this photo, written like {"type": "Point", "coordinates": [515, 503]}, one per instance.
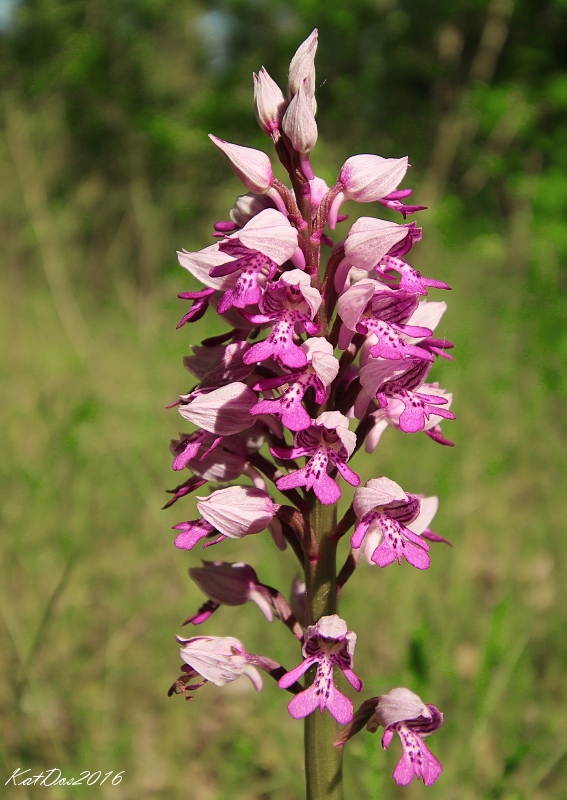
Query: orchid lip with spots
{"type": "Point", "coordinates": [328, 644]}
{"type": "Point", "coordinates": [402, 712]}
{"type": "Point", "coordinates": [320, 354]}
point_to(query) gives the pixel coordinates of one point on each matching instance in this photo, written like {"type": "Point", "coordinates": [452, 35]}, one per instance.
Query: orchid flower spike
{"type": "Point", "coordinates": [308, 347]}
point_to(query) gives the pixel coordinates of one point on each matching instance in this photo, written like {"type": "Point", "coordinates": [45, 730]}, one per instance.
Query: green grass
{"type": "Point", "coordinates": [93, 590]}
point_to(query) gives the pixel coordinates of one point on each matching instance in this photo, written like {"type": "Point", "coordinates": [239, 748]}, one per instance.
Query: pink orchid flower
{"type": "Point", "coordinates": [328, 644]}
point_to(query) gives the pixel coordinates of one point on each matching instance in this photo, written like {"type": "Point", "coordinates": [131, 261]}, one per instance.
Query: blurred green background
{"type": "Point", "coordinates": [105, 170]}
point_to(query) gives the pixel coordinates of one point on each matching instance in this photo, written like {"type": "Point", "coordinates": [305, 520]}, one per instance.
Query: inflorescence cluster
{"type": "Point", "coordinates": [317, 362]}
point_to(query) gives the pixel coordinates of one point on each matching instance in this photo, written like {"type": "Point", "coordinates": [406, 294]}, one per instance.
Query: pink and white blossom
{"type": "Point", "coordinates": [389, 416]}
{"type": "Point", "coordinates": [370, 308]}
{"type": "Point", "coordinates": [410, 279]}
{"type": "Point", "coordinates": [328, 644]}
{"type": "Point", "coordinates": [222, 411]}
{"type": "Point", "coordinates": [219, 365]}
{"type": "Point", "coordinates": [214, 458]}
{"type": "Point", "coordinates": [403, 380]}
{"type": "Point", "coordinates": [370, 239]}
{"type": "Point", "coordinates": [219, 659]}
{"type": "Point", "coordinates": [320, 371]}
{"type": "Point", "coordinates": [269, 232]}
{"type": "Point", "coordinates": [385, 514]}
{"type": "Point", "coordinates": [369, 244]}
{"type": "Point", "coordinates": [232, 513]}
{"type": "Point", "coordinates": [403, 712]}
{"type": "Point", "coordinates": [367, 178]}
{"type": "Point", "coordinates": [200, 263]}
{"type": "Point", "coordinates": [290, 305]}
{"type": "Point", "coordinates": [238, 511]}
{"type": "Point", "coordinates": [265, 242]}
{"type": "Point", "coordinates": [326, 443]}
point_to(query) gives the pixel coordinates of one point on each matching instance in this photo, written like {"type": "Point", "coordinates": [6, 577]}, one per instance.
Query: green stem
{"type": "Point", "coordinates": [323, 761]}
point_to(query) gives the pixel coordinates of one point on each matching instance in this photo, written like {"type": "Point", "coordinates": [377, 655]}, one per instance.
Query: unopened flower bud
{"type": "Point", "coordinates": [247, 206]}
{"type": "Point", "coordinates": [302, 68]}
{"type": "Point", "coordinates": [299, 122]}
{"type": "Point", "coordinates": [269, 102]}
{"type": "Point", "coordinates": [318, 189]}
{"type": "Point", "coordinates": [253, 167]}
